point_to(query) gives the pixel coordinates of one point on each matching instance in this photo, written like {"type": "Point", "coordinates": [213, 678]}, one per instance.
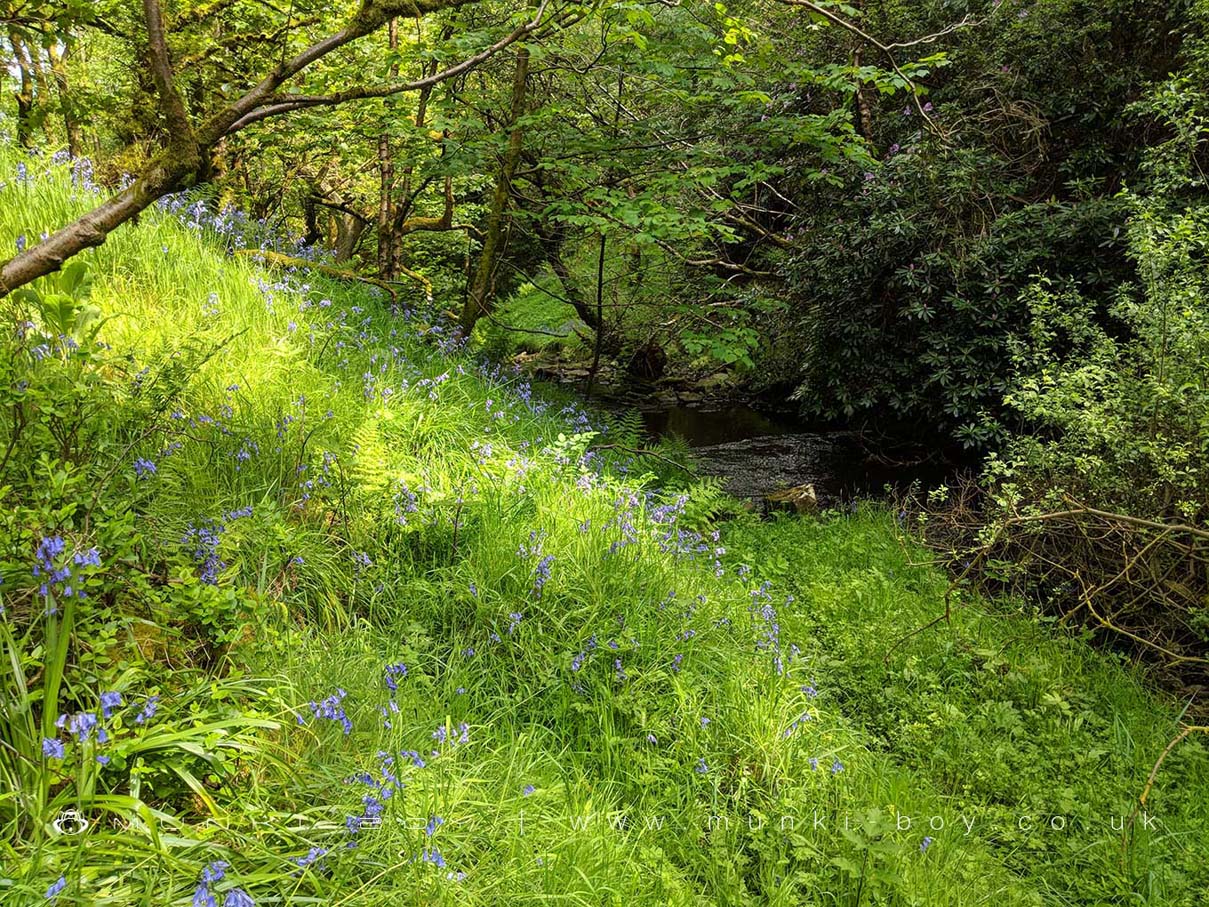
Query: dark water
{"type": "Point", "coordinates": [705, 428]}
{"type": "Point", "coordinates": [758, 453]}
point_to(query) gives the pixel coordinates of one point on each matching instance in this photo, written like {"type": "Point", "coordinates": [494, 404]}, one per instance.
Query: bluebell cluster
{"type": "Point", "coordinates": [84, 726]}
{"type": "Point", "coordinates": [202, 541]}
{"type": "Point", "coordinates": [331, 709]}
{"type": "Point", "coordinates": [214, 872]}
{"type": "Point", "coordinates": [62, 576]}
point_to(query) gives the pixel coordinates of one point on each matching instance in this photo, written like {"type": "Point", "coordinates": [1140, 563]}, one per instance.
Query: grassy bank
{"type": "Point", "coordinates": [386, 629]}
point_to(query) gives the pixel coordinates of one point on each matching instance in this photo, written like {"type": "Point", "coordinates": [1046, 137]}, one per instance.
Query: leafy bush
{"type": "Point", "coordinates": [906, 294]}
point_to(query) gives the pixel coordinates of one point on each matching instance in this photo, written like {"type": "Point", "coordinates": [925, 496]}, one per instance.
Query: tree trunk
{"type": "Point", "coordinates": [348, 235]}
{"type": "Point", "coordinates": [479, 302]}
{"type": "Point", "coordinates": [386, 180]}
{"type": "Point", "coordinates": [43, 95]}
{"type": "Point", "coordinates": [25, 92]}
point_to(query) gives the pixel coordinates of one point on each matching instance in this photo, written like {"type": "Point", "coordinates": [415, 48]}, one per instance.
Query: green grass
{"type": "Point", "coordinates": [975, 724]}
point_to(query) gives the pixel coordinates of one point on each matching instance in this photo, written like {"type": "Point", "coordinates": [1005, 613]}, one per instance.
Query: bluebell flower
{"type": "Point", "coordinates": [143, 468]}
{"type": "Point", "coordinates": [372, 806]}
{"type": "Point", "coordinates": [20, 243]}
{"type": "Point", "coordinates": [331, 709]}
{"type": "Point", "coordinates": [215, 872]}
{"type": "Point", "coordinates": [925, 844]}
{"type": "Point", "coordinates": [52, 748]}
{"type": "Point", "coordinates": [110, 700]}
{"type": "Point", "coordinates": [837, 767]}
{"type": "Point", "coordinates": [148, 710]}
{"type": "Point", "coordinates": [204, 540]}
{"type": "Point", "coordinates": [432, 855]}
{"type": "Point", "coordinates": [202, 896]}
{"type": "Point", "coordinates": [701, 768]}
{"type": "Point", "coordinates": [48, 550]}
{"type": "Point", "coordinates": [237, 897]}
{"type": "Point", "coordinates": [393, 671]}
{"type": "Point", "coordinates": [312, 856]}
{"type": "Point", "coordinates": [82, 724]}
{"type": "Point", "coordinates": [434, 823]}
{"type": "Point", "coordinates": [56, 887]}
{"type": "Point", "coordinates": [514, 620]}
{"type": "Point", "coordinates": [529, 789]}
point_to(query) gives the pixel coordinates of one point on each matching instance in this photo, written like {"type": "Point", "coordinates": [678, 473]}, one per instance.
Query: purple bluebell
{"type": "Point", "coordinates": [56, 888]}
{"type": "Point", "coordinates": [82, 724]}
{"type": "Point", "coordinates": [395, 673]}
{"type": "Point", "coordinates": [331, 709]}
{"type": "Point", "coordinates": [110, 700]}
{"type": "Point", "coordinates": [214, 872]}
{"type": "Point", "coordinates": [313, 855]}
{"type": "Point", "coordinates": [150, 706]}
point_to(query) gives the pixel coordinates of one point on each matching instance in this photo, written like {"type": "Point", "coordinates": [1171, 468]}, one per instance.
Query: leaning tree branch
{"type": "Point", "coordinates": [171, 171]}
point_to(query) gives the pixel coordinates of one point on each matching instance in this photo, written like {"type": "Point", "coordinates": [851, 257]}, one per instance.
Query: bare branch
{"type": "Point", "coordinates": [276, 105]}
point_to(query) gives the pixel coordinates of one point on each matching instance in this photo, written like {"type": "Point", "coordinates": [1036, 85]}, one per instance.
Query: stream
{"type": "Point", "coordinates": [758, 452]}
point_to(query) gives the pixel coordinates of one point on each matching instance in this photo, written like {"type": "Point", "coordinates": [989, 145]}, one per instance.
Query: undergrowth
{"type": "Point", "coordinates": [305, 603]}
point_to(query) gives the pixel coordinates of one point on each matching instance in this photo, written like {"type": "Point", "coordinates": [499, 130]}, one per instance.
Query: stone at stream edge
{"type": "Point", "coordinates": [800, 499]}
